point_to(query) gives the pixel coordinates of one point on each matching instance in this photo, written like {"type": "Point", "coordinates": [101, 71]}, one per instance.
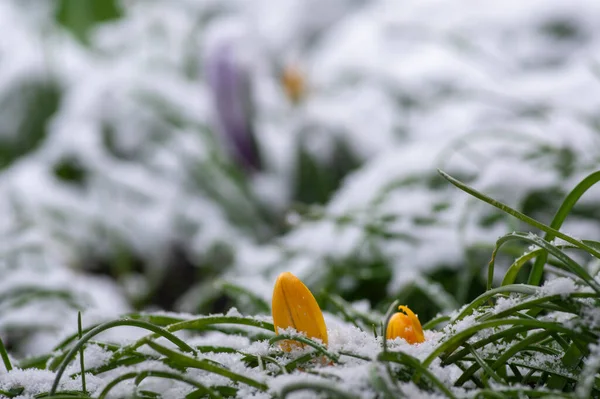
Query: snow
{"type": "Point", "coordinates": [454, 70]}
{"type": "Point", "coordinates": [562, 286]}
{"type": "Point", "coordinates": [39, 381]}
{"type": "Point", "coordinates": [494, 94]}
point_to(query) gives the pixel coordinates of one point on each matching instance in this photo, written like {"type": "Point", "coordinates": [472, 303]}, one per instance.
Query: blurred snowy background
{"type": "Point", "coordinates": [179, 154]}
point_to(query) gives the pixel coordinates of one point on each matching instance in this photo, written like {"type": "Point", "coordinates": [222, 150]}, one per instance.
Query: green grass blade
{"type": "Point", "coordinates": [81, 360]}
{"type": "Point", "coordinates": [385, 387]}
{"type": "Point", "coordinates": [462, 336]}
{"type": "Point", "coordinates": [507, 289]}
{"type": "Point", "coordinates": [537, 270]}
{"type": "Point", "coordinates": [506, 355]}
{"type": "Point", "coordinates": [319, 347]}
{"type": "Point", "coordinates": [490, 371]}
{"type": "Point", "coordinates": [388, 315]}
{"type": "Point", "coordinates": [436, 321]}
{"type": "Point", "coordinates": [515, 268]}
{"type": "Point", "coordinates": [202, 323]}
{"type": "Point", "coordinates": [414, 363]}
{"type": "Point", "coordinates": [204, 364]}
{"type": "Point", "coordinates": [106, 326]}
{"type": "Point", "coordinates": [519, 215]}
{"type": "Point", "coordinates": [509, 333]}
{"type": "Point", "coordinates": [569, 264]}
{"type": "Point", "coordinates": [325, 387]}
{"type": "Point", "coordinates": [159, 374]}
{"type": "Point", "coordinates": [5, 357]}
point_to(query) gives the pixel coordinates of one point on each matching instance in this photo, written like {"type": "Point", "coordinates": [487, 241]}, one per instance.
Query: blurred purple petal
{"type": "Point", "coordinates": [230, 86]}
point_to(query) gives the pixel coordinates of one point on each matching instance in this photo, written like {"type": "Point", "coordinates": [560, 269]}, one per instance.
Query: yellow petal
{"type": "Point", "coordinates": [406, 326]}
{"type": "Point", "coordinates": [415, 322]}
{"type": "Point", "coordinates": [295, 306]}
{"type": "Point", "coordinates": [293, 83]}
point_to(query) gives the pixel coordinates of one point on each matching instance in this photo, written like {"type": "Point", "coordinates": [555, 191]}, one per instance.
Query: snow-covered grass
{"type": "Point", "coordinates": [154, 159]}
{"type": "Point", "coordinates": [513, 340]}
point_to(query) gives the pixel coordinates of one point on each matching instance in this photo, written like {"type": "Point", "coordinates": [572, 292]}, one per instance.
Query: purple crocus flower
{"type": "Point", "coordinates": [231, 90]}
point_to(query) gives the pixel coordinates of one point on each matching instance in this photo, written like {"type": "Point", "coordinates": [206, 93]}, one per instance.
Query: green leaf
{"type": "Point", "coordinates": [536, 272]}
{"type": "Point", "coordinates": [80, 16]}
{"type": "Point", "coordinates": [513, 212]}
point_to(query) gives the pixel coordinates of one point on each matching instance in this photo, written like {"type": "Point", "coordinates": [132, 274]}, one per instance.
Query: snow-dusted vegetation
{"type": "Point", "coordinates": [163, 163]}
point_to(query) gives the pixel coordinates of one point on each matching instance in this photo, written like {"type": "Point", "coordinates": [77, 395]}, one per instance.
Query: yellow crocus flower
{"type": "Point", "coordinates": [293, 83]}
{"type": "Point", "coordinates": [405, 325]}
{"type": "Point", "coordinates": [295, 306]}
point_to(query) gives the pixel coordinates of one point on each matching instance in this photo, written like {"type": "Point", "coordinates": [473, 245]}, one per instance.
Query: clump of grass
{"type": "Point", "coordinates": [538, 339]}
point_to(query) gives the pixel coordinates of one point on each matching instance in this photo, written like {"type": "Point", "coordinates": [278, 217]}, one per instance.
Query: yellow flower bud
{"type": "Point", "coordinates": [295, 306]}
{"type": "Point", "coordinates": [405, 325]}
{"type": "Point", "coordinates": [293, 84]}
